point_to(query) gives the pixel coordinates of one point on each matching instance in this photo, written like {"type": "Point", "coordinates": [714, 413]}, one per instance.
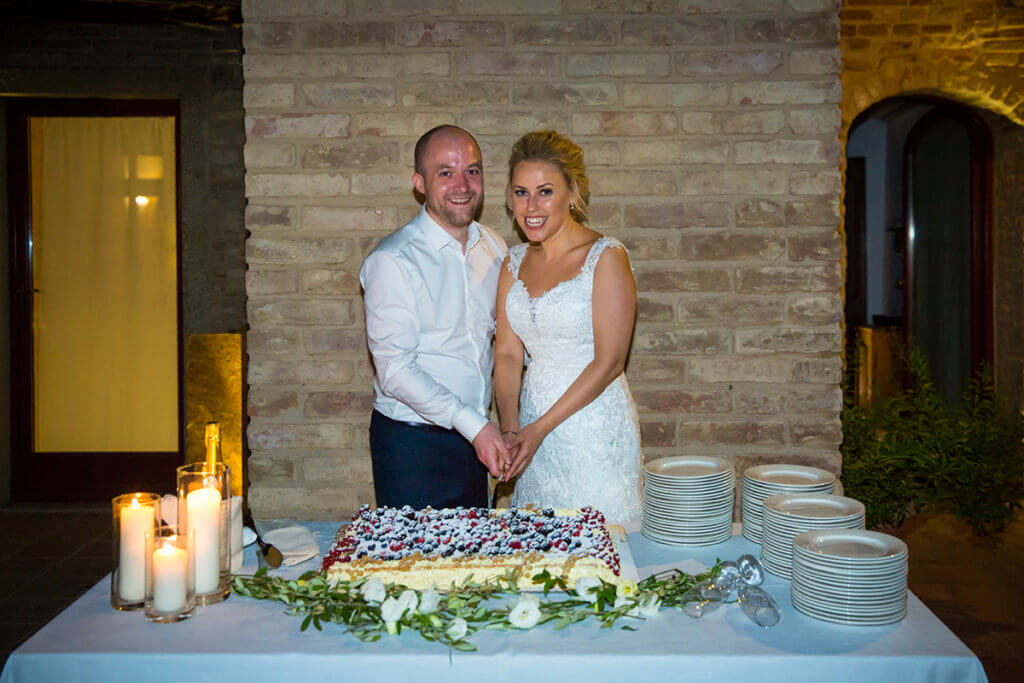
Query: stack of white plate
{"type": "Point", "coordinates": [688, 500]}
{"type": "Point", "coordinates": [762, 481]}
{"type": "Point", "coordinates": [850, 576]}
{"type": "Point", "coordinates": [789, 514]}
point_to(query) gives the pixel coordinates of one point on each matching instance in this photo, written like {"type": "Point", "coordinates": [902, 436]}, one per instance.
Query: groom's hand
{"type": "Point", "coordinates": [491, 450]}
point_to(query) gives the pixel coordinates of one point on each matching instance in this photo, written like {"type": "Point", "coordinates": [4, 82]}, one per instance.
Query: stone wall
{"type": "Point", "coordinates": [710, 129]}
{"type": "Point", "coordinates": [971, 51]}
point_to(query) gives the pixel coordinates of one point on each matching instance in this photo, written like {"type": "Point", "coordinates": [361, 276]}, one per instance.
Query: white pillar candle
{"type": "Point", "coordinates": [203, 510]}
{"type": "Point", "coordinates": [136, 520]}
{"type": "Point", "coordinates": [170, 567]}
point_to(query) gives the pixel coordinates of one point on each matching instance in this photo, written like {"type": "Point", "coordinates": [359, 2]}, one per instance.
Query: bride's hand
{"type": "Point", "coordinates": [510, 436]}
{"type": "Point", "coordinates": [523, 446]}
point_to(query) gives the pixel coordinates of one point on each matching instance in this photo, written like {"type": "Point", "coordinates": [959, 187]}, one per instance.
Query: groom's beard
{"type": "Point", "coordinates": [456, 215]}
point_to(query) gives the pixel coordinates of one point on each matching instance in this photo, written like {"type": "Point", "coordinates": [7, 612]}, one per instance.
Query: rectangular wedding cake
{"type": "Point", "coordinates": [434, 548]}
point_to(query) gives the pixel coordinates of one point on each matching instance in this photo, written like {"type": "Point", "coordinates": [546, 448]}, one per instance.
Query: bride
{"type": "Point", "coordinates": [567, 298]}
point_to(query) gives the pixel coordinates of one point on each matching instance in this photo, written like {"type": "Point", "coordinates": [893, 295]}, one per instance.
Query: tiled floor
{"type": "Point", "coordinates": [974, 588]}
{"type": "Point", "coordinates": [49, 555]}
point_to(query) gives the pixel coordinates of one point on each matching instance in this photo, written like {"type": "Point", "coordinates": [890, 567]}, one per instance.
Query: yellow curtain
{"type": "Point", "coordinates": [104, 265]}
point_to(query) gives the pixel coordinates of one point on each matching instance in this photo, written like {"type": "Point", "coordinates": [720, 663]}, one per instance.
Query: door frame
{"type": "Point", "coordinates": [73, 477]}
{"type": "Point", "coordinates": [854, 222]}
{"type": "Point", "coordinates": [980, 139]}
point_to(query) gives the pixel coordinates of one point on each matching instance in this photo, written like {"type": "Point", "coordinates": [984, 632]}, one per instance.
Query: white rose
{"type": "Point", "coordinates": [408, 600]}
{"type": "Point", "coordinates": [526, 613]}
{"type": "Point", "coordinates": [626, 590]}
{"type": "Point", "coordinates": [587, 587]}
{"type": "Point", "coordinates": [648, 607]}
{"type": "Point", "coordinates": [429, 601]}
{"type": "Point", "coordinates": [457, 629]}
{"type": "Point", "coordinates": [622, 601]}
{"type": "Point", "coordinates": [373, 590]}
{"type": "Point", "coordinates": [391, 610]}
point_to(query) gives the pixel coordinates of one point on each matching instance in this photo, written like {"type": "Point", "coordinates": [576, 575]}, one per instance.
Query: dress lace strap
{"type": "Point", "coordinates": [515, 258]}
{"type": "Point", "coordinates": [596, 249]}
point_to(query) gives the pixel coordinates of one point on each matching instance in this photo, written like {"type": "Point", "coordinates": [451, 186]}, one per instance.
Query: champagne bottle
{"type": "Point", "coordinates": [212, 444]}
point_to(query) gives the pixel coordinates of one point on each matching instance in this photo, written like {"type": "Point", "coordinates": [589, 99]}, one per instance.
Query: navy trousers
{"type": "Point", "coordinates": [421, 465]}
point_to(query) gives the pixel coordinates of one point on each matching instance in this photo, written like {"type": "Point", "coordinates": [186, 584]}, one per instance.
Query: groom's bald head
{"type": "Point", "coordinates": [438, 134]}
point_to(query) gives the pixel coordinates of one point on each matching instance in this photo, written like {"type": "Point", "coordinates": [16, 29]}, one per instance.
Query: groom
{"type": "Point", "coordinates": [430, 295]}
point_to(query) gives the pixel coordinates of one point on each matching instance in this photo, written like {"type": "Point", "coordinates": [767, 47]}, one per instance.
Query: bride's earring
{"type": "Point", "coordinates": [572, 206]}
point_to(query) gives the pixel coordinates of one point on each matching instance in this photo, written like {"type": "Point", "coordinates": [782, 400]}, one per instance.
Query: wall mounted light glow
{"type": "Point", "coordinates": [141, 200]}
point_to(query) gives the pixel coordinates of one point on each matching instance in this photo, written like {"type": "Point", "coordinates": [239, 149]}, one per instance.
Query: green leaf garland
{"type": "Point", "coordinates": [319, 602]}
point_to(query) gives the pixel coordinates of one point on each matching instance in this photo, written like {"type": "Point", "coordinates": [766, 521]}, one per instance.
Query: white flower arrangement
{"type": "Point", "coordinates": [373, 590]}
{"type": "Point", "coordinates": [429, 600]}
{"type": "Point", "coordinates": [587, 587]}
{"type": "Point", "coordinates": [457, 629]}
{"type": "Point", "coordinates": [368, 608]}
{"type": "Point", "coordinates": [526, 612]}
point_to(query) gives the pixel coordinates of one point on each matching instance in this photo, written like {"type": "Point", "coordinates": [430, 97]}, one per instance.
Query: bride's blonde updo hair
{"type": "Point", "coordinates": [562, 153]}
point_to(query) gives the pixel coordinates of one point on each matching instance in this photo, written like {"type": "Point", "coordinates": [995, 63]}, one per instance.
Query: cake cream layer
{"type": "Point", "coordinates": [436, 548]}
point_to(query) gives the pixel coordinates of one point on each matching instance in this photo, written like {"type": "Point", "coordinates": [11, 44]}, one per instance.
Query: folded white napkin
{"type": "Point", "coordinates": [169, 509]}
{"type": "Point", "coordinates": [295, 541]}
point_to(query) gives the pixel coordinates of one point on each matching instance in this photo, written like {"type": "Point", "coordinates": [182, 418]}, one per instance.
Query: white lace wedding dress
{"type": "Point", "coordinates": [594, 457]}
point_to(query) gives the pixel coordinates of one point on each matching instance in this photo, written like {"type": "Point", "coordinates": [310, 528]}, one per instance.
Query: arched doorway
{"type": "Point", "coordinates": [918, 234]}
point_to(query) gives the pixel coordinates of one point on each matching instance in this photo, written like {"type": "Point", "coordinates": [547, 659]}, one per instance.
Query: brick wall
{"type": "Point", "coordinates": [971, 51]}
{"type": "Point", "coordinates": [1008, 251]}
{"type": "Point", "coordinates": [710, 129]}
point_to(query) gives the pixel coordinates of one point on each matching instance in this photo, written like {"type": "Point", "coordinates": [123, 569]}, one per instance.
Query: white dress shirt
{"type": "Point", "coordinates": [430, 311]}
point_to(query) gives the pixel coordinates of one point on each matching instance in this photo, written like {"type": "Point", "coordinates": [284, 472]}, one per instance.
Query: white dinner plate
{"type": "Point", "coordinates": [702, 541]}
{"type": "Point", "coordinates": [790, 475]}
{"type": "Point", "coordinates": [688, 466]}
{"type": "Point", "coordinates": [813, 505]}
{"type": "Point", "coordinates": [845, 617]}
{"type": "Point", "coordinates": [851, 544]}
{"type": "Point", "coordinates": [856, 607]}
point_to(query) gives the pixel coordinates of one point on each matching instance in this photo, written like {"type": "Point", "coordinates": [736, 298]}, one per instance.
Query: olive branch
{"type": "Point", "coordinates": [464, 609]}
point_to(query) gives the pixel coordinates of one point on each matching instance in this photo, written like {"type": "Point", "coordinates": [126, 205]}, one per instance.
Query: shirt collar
{"type": "Point", "coordinates": [439, 237]}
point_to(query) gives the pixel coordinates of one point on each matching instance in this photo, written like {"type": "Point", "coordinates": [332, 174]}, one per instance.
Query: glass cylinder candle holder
{"type": "Point", "coordinates": [133, 514]}
{"type": "Point", "coordinates": [170, 590]}
{"type": "Point", "coordinates": [204, 514]}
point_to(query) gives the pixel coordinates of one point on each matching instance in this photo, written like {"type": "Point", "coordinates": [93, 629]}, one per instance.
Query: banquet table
{"type": "Point", "coordinates": [251, 640]}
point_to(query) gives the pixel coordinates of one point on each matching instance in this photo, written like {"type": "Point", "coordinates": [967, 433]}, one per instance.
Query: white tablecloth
{"type": "Point", "coordinates": [250, 640]}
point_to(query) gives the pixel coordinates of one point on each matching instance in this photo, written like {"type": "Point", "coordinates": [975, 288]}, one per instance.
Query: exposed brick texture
{"type": "Point", "coordinates": [1008, 251]}
{"type": "Point", "coordinates": [972, 53]}
{"type": "Point", "coordinates": [710, 130]}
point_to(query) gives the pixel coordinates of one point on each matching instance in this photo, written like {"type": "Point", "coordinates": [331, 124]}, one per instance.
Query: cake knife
{"type": "Point", "coordinates": [271, 555]}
